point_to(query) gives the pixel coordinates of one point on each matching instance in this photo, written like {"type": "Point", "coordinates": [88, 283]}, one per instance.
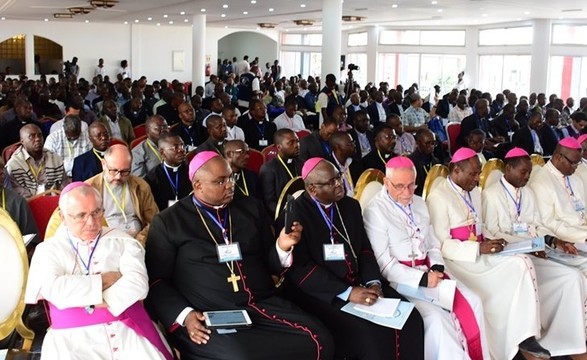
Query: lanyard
{"type": "Point", "coordinates": [261, 129]}
{"type": "Point", "coordinates": [325, 147]}
{"type": "Point", "coordinates": [403, 144]}
{"type": "Point", "coordinates": [4, 199]}
{"type": "Point", "coordinates": [245, 191]}
{"type": "Point", "coordinates": [518, 203]}
{"type": "Point", "coordinates": [69, 148]}
{"type": "Point", "coordinates": [381, 157]}
{"type": "Point", "coordinates": [119, 205]}
{"type": "Point", "coordinates": [75, 248]}
{"type": "Point", "coordinates": [468, 202]}
{"type": "Point", "coordinates": [187, 131]}
{"type": "Point", "coordinates": [330, 224]}
{"type": "Point", "coordinates": [154, 150]}
{"type": "Point", "coordinates": [174, 184]}
{"type": "Point", "coordinates": [409, 214]}
{"type": "Point", "coordinates": [569, 187]}
{"type": "Point", "coordinates": [327, 219]}
{"type": "Point", "coordinates": [98, 155]}
{"type": "Point", "coordinates": [36, 170]}
{"type": "Point", "coordinates": [285, 166]}
{"type": "Point", "coordinates": [215, 220]}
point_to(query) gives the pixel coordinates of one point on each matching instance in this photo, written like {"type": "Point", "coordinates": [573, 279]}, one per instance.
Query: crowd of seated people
{"type": "Point", "coordinates": [168, 172]}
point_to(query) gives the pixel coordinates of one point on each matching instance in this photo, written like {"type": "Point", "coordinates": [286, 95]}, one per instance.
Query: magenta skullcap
{"type": "Point", "coordinates": [199, 160]}
{"type": "Point", "coordinates": [309, 165]}
{"type": "Point", "coordinates": [570, 143]}
{"type": "Point", "coordinates": [516, 152]}
{"type": "Point", "coordinates": [399, 162]}
{"type": "Point", "coordinates": [72, 186]}
{"type": "Point", "coordinates": [463, 153]}
{"type": "Point", "coordinates": [582, 138]}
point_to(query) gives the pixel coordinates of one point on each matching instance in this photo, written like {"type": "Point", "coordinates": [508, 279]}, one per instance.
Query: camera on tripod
{"type": "Point", "coordinates": [352, 67]}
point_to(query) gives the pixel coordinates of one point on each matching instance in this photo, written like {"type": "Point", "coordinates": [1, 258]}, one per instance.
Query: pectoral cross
{"type": "Point", "coordinates": [233, 279]}
{"type": "Point", "coordinates": [413, 256]}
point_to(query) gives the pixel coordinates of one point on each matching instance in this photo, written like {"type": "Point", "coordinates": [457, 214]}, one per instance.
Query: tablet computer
{"type": "Point", "coordinates": [227, 319]}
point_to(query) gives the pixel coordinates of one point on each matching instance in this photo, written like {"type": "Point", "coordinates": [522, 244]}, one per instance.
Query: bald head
{"type": "Point", "coordinates": [117, 164]}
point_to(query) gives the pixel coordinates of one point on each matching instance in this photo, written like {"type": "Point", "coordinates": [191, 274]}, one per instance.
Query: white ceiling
{"type": "Point", "coordinates": [376, 12]}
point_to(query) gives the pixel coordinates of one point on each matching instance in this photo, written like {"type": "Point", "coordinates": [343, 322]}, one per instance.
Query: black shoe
{"type": "Point", "coordinates": [532, 347]}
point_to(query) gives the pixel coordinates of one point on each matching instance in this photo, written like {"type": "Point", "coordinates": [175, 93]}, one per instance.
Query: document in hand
{"type": "Point", "coordinates": [401, 313]}
{"type": "Point", "coordinates": [524, 246]}
{"type": "Point", "coordinates": [384, 307]}
{"type": "Point", "coordinates": [564, 258]}
{"type": "Point", "coordinates": [442, 295]}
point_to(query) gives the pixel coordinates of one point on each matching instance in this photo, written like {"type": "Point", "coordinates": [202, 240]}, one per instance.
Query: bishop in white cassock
{"type": "Point", "coordinates": [510, 213]}
{"type": "Point", "coordinates": [93, 280]}
{"type": "Point", "coordinates": [505, 284]}
{"type": "Point", "coordinates": [408, 253]}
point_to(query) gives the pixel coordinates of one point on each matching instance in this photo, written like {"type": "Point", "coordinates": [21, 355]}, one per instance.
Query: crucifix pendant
{"type": "Point", "coordinates": [413, 256]}
{"type": "Point", "coordinates": [233, 279]}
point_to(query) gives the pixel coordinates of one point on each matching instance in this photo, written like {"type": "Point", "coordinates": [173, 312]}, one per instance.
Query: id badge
{"type": "Point", "coordinates": [578, 205]}
{"type": "Point", "coordinates": [520, 228]}
{"type": "Point", "coordinates": [228, 252]}
{"type": "Point", "coordinates": [40, 188]}
{"type": "Point", "coordinates": [170, 203]}
{"type": "Point", "coordinates": [190, 148]}
{"type": "Point", "coordinates": [263, 142]}
{"type": "Point", "coordinates": [333, 252]}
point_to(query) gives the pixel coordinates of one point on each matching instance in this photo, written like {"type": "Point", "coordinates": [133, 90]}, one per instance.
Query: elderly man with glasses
{"type": "Point", "coordinates": [128, 201]}
{"type": "Point", "coordinates": [93, 279]}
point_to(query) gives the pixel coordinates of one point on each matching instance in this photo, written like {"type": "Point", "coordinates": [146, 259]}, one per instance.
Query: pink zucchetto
{"type": "Point", "coordinates": [582, 138]}
{"type": "Point", "coordinates": [72, 186]}
{"type": "Point", "coordinates": [309, 165]}
{"type": "Point", "coordinates": [463, 153]}
{"type": "Point", "coordinates": [516, 152]}
{"type": "Point", "coordinates": [570, 143]}
{"type": "Point", "coordinates": [399, 162]}
{"type": "Point", "coordinates": [199, 160]}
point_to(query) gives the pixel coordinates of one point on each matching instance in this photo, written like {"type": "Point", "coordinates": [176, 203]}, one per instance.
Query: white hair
{"type": "Point", "coordinates": [389, 171]}
{"type": "Point", "coordinates": [82, 190]}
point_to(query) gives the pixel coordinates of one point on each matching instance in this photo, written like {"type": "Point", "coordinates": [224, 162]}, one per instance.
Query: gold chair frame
{"type": "Point", "coordinates": [366, 177]}
{"type": "Point", "coordinates": [490, 166]}
{"type": "Point", "coordinates": [435, 171]}
{"type": "Point", "coordinates": [290, 188]}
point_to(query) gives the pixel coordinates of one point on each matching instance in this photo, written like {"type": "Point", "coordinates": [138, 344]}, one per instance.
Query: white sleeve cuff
{"type": "Point", "coordinates": [180, 319]}
{"type": "Point", "coordinates": [285, 257]}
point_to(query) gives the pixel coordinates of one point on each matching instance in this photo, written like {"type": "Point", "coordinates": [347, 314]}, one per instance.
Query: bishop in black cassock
{"type": "Point", "coordinates": [187, 278]}
{"type": "Point", "coordinates": [323, 287]}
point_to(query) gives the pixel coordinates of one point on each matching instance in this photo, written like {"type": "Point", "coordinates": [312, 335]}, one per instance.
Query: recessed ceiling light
{"type": "Point", "coordinates": [394, 6]}
{"type": "Point", "coordinates": [439, 10]}
{"type": "Point", "coordinates": [136, 20]}
{"type": "Point", "coordinates": [226, 27]}
{"type": "Point", "coordinates": [225, 6]}
{"type": "Point", "coordinates": [434, 2]}
{"type": "Point", "coordinates": [149, 18]}
{"type": "Point", "coordinates": [126, 23]}
{"type": "Point", "coordinates": [245, 12]}
{"type": "Point", "coordinates": [271, 9]}
{"type": "Point", "coordinates": [484, 15]}
{"type": "Point", "coordinates": [46, 19]}
{"type": "Point", "coordinates": [182, 13]}
{"type": "Point", "coordinates": [222, 15]}
{"type": "Point", "coordinates": [87, 21]}
{"type": "Point", "coordinates": [185, 20]}
{"type": "Point", "coordinates": [254, 2]}
{"type": "Point", "coordinates": [165, 16]}
{"type": "Point", "coordinates": [203, 10]}
{"type": "Point", "coordinates": [302, 5]}
{"type": "Point", "coordinates": [158, 24]}
{"type": "Point", "coordinates": [171, 22]}
{"type": "Point", "coordinates": [305, 29]}
{"type": "Point", "coordinates": [3, 18]}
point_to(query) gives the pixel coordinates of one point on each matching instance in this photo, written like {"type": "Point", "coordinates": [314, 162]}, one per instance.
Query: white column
{"type": "Point", "coordinates": [540, 55]}
{"type": "Point", "coordinates": [29, 54]}
{"type": "Point", "coordinates": [471, 59]}
{"type": "Point", "coordinates": [372, 54]}
{"type": "Point", "coordinates": [331, 37]}
{"type": "Point", "coordinates": [198, 51]}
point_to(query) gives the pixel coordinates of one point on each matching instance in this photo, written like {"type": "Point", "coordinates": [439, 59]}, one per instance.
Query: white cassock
{"type": "Point", "coordinates": [559, 208]}
{"type": "Point", "coordinates": [58, 275]}
{"type": "Point", "coordinates": [505, 284]}
{"type": "Point", "coordinates": [581, 173]}
{"type": "Point", "coordinates": [561, 288]}
{"type": "Point", "coordinates": [394, 240]}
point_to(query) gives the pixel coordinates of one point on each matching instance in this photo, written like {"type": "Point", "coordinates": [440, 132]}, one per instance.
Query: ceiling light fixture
{"type": "Point", "coordinates": [302, 5]}
{"type": "Point", "coordinates": [103, 3]}
{"type": "Point", "coordinates": [182, 13]}
{"type": "Point", "coordinates": [304, 22]}
{"type": "Point", "coordinates": [267, 25]}
{"type": "Point", "coordinates": [80, 10]}
{"type": "Point", "coordinates": [353, 18]}
{"type": "Point", "coordinates": [271, 9]}
{"type": "Point", "coordinates": [394, 6]}
{"type": "Point", "coordinates": [225, 6]}
{"type": "Point", "coordinates": [63, 15]}
{"type": "Point", "coordinates": [222, 15]}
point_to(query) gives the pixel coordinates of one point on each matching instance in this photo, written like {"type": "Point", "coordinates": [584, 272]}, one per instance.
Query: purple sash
{"type": "Point", "coordinates": [462, 233]}
{"type": "Point", "coordinates": [135, 317]}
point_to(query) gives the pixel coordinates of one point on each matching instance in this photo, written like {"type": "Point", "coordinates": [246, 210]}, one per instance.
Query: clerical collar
{"type": "Point", "coordinates": [507, 184]}
{"type": "Point", "coordinates": [77, 240]}
{"type": "Point", "coordinates": [206, 205]}
{"type": "Point", "coordinates": [174, 168]}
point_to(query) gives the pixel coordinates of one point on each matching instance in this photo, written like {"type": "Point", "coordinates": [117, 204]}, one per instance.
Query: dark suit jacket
{"type": "Point", "coordinates": [191, 136]}
{"type": "Point", "coordinates": [273, 177]}
{"type": "Point", "coordinates": [312, 146]}
{"type": "Point", "coordinates": [443, 108]}
{"type": "Point", "coordinates": [350, 113]}
{"type": "Point", "coordinates": [161, 187]}
{"type": "Point", "coordinates": [523, 139]}
{"type": "Point", "coordinates": [252, 184]}
{"type": "Point", "coordinates": [85, 166]}
{"type": "Point", "coordinates": [210, 145]}
{"type": "Point", "coordinates": [394, 109]}
{"type": "Point", "coordinates": [355, 168]}
{"type": "Point", "coordinates": [422, 164]}
{"type": "Point", "coordinates": [374, 113]}
{"type": "Point", "coordinates": [469, 124]}
{"type": "Point", "coordinates": [255, 132]}
{"type": "Point", "coordinates": [502, 126]}
{"type": "Point", "coordinates": [355, 136]}
{"type": "Point", "coordinates": [373, 161]}
{"type": "Point", "coordinates": [169, 113]}
{"type": "Point", "coordinates": [549, 137]}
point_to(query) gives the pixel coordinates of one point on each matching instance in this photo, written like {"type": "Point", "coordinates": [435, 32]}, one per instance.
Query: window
{"type": "Point", "coordinates": [299, 62]}
{"type": "Point", "coordinates": [569, 34]}
{"type": "Point", "coordinates": [498, 72]}
{"type": "Point", "coordinates": [291, 39]}
{"type": "Point", "coordinates": [568, 77]}
{"type": "Point", "coordinates": [291, 63]}
{"type": "Point", "coordinates": [358, 39]}
{"type": "Point", "coordinates": [423, 37]}
{"type": "Point", "coordinates": [506, 36]}
{"type": "Point", "coordinates": [313, 39]}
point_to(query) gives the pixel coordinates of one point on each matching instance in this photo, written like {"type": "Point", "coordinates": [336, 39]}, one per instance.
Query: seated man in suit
{"type": "Point", "coordinates": [378, 111]}
{"type": "Point", "coordinates": [236, 153]}
{"type": "Point", "coordinates": [423, 157]}
{"type": "Point", "coordinates": [363, 137]}
{"type": "Point", "coordinates": [169, 181]}
{"type": "Point", "coordinates": [89, 163]}
{"type": "Point", "coordinates": [118, 126]}
{"type": "Point", "coordinates": [480, 121]}
{"type": "Point", "coordinates": [383, 150]}
{"type": "Point", "coordinates": [343, 151]}
{"type": "Point", "coordinates": [190, 131]}
{"type": "Point", "coordinates": [216, 127]}
{"type": "Point", "coordinates": [550, 134]}
{"type": "Point", "coordinates": [145, 155]}
{"type": "Point", "coordinates": [316, 144]}
{"type": "Point", "coordinates": [322, 285]}
{"type": "Point", "coordinates": [505, 125]}
{"type": "Point", "coordinates": [355, 106]}
{"type": "Point", "coordinates": [277, 172]}
{"type": "Point", "coordinates": [577, 125]}
{"type": "Point", "coordinates": [258, 131]}
{"type": "Point", "coordinates": [528, 137]}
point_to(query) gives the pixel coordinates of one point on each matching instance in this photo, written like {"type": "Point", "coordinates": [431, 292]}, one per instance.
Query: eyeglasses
{"type": "Point", "coordinates": [114, 172]}
{"type": "Point", "coordinates": [332, 182]}
{"type": "Point", "coordinates": [161, 128]}
{"type": "Point", "coordinates": [402, 187]}
{"type": "Point", "coordinates": [83, 217]}
{"type": "Point", "coordinates": [240, 152]}
{"type": "Point", "coordinates": [222, 182]}
{"type": "Point", "coordinates": [571, 162]}
{"type": "Point", "coordinates": [175, 148]}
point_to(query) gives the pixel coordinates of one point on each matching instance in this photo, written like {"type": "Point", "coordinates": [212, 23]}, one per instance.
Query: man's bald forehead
{"type": "Point", "coordinates": [118, 151]}
{"type": "Point", "coordinates": [28, 129]}
{"type": "Point", "coordinates": [233, 145]}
